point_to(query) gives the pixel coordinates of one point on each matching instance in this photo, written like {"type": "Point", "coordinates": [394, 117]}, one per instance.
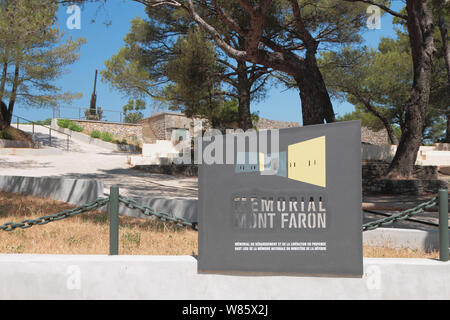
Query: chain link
{"type": "Point", "coordinates": [401, 215]}
{"type": "Point", "coordinates": [162, 216]}
{"type": "Point", "coordinates": [181, 222]}
{"type": "Point", "coordinates": [25, 224]}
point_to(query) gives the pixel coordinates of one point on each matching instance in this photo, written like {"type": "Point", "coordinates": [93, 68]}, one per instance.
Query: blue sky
{"type": "Point", "coordinates": [104, 40]}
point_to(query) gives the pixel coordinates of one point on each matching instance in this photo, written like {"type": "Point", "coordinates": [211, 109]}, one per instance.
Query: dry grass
{"type": "Point", "coordinates": [88, 233]}
{"type": "Point", "coordinates": [375, 252]}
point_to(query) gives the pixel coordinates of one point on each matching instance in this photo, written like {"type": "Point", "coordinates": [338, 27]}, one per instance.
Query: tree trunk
{"type": "Point", "coordinates": [420, 29]}
{"type": "Point", "coordinates": [3, 108]}
{"type": "Point", "coordinates": [316, 103]}
{"type": "Point", "coordinates": [3, 115]}
{"type": "Point", "coordinates": [387, 124]}
{"type": "Point", "coordinates": [12, 98]}
{"type": "Point", "coordinates": [244, 89]}
{"type": "Point", "coordinates": [3, 81]}
{"type": "Point", "coordinates": [446, 49]}
{"type": "Point", "coordinates": [448, 128]}
{"type": "Point", "coordinates": [390, 130]}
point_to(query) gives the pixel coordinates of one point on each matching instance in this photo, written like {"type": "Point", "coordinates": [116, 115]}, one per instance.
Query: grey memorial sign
{"type": "Point", "coordinates": [295, 208]}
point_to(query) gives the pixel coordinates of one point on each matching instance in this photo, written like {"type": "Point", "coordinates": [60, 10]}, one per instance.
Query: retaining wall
{"type": "Point", "coordinates": [412, 187]}
{"type": "Point", "coordinates": [15, 144]}
{"type": "Point", "coordinates": [188, 170]}
{"type": "Point", "coordinates": [97, 142]}
{"type": "Point", "coordinates": [74, 191]}
{"type": "Point", "coordinates": [175, 277]}
{"type": "Point", "coordinates": [128, 131]}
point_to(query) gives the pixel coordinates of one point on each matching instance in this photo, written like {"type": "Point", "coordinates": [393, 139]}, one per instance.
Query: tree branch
{"type": "Point", "coordinates": [382, 7]}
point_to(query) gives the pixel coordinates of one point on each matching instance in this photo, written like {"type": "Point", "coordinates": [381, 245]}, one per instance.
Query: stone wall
{"type": "Point", "coordinates": [263, 124]}
{"type": "Point", "coordinates": [128, 131]}
{"type": "Point", "coordinates": [410, 187]}
{"type": "Point", "coordinates": [374, 170]}
{"type": "Point", "coordinates": [425, 181]}
{"type": "Point", "coordinates": [161, 125]}
{"type": "Point", "coordinates": [379, 138]}
{"type": "Point", "coordinates": [154, 128]}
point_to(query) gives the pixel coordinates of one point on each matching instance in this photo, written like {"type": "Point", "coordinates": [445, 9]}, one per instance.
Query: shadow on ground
{"type": "Point", "coordinates": [134, 183]}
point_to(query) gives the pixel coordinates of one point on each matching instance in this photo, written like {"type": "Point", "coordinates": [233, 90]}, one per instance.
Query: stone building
{"type": "Point", "coordinates": [163, 125]}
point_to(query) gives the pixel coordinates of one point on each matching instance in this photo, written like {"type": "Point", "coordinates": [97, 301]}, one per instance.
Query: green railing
{"type": "Point", "coordinates": [115, 199]}
{"type": "Point", "coordinates": [50, 130]}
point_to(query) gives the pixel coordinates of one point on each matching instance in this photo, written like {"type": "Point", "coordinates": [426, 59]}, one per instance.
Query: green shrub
{"type": "Point", "coordinates": [69, 124]}
{"type": "Point", "coordinates": [5, 135]}
{"type": "Point", "coordinates": [74, 127]}
{"type": "Point", "coordinates": [64, 123]}
{"type": "Point", "coordinates": [95, 134]}
{"type": "Point", "coordinates": [106, 136]}
{"type": "Point", "coordinates": [45, 122]}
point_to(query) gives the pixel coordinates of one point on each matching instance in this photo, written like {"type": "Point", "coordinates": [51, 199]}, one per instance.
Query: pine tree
{"type": "Point", "coordinates": [31, 56]}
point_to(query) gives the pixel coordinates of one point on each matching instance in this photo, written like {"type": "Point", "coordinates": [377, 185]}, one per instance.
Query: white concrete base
{"type": "Point", "coordinates": [176, 277]}
{"type": "Point", "coordinates": [150, 160]}
{"type": "Point", "coordinates": [378, 153]}
{"type": "Point", "coordinates": [427, 155]}
{"type": "Point", "coordinates": [436, 158]}
{"type": "Point", "coordinates": [161, 148]}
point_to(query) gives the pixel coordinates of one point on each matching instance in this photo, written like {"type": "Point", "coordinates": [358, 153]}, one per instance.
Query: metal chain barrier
{"type": "Point", "coordinates": [25, 224]}
{"type": "Point", "coordinates": [181, 222]}
{"type": "Point", "coordinates": [162, 216]}
{"type": "Point", "coordinates": [401, 215]}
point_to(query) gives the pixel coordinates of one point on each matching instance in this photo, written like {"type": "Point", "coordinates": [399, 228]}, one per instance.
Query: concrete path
{"type": "Point", "coordinates": [112, 168]}
{"type": "Point", "coordinates": [85, 161]}
{"type": "Point", "coordinates": [59, 140]}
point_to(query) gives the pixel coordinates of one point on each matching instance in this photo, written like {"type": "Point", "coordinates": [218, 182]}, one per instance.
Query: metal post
{"type": "Point", "coordinates": [443, 225]}
{"type": "Point", "coordinates": [114, 221]}
{"type": "Point", "coordinates": [50, 134]}
{"type": "Point", "coordinates": [17, 122]}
